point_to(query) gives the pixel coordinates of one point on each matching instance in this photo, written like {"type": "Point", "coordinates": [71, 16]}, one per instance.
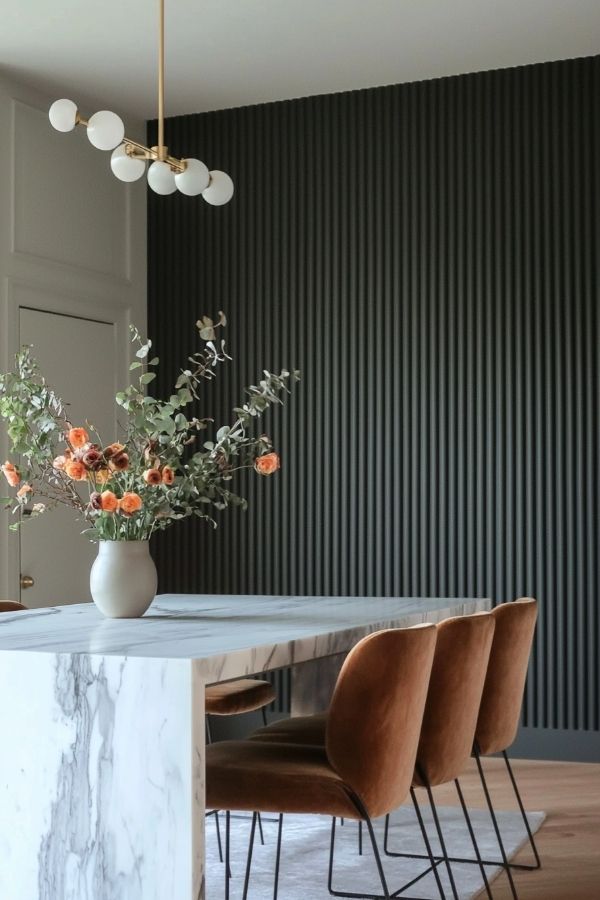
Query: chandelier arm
{"type": "Point", "coordinates": [135, 147]}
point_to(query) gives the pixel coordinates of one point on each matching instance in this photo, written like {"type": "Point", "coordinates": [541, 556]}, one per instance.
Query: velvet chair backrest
{"type": "Point", "coordinates": [455, 688]}
{"type": "Point", "coordinates": [10, 606]}
{"type": "Point", "coordinates": [376, 712]}
{"type": "Point", "coordinates": [502, 698]}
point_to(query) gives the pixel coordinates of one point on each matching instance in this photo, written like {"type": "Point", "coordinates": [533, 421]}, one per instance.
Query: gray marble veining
{"type": "Point", "coordinates": [102, 756]}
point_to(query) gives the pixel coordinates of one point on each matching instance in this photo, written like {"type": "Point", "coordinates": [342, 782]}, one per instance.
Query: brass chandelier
{"type": "Point", "coordinates": [166, 173]}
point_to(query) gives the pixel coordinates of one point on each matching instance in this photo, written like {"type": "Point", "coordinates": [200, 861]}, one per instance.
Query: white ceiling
{"type": "Point", "coordinates": [223, 53]}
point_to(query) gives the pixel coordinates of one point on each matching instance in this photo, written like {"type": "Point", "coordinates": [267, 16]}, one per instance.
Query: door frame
{"type": "Point", "coordinates": [77, 305]}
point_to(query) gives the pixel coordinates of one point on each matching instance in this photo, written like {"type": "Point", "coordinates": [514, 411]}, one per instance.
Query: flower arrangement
{"type": "Point", "coordinates": [156, 474]}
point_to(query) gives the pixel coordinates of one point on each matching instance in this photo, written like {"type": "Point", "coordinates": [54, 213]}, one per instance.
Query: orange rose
{"type": "Point", "coordinates": [119, 463]}
{"type": "Point", "coordinates": [11, 474]}
{"type": "Point", "coordinates": [168, 475]}
{"type": "Point", "coordinates": [152, 476]}
{"type": "Point", "coordinates": [108, 502]}
{"type": "Point", "coordinates": [112, 450]}
{"type": "Point", "coordinates": [130, 503]}
{"type": "Point", "coordinates": [267, 464]}
{"type": "Point", "coordinates": [77, 437]}
{"type": "Point", "coordinates": [24, 490]}
{"type": "Point", "coordinates": [76, 470]}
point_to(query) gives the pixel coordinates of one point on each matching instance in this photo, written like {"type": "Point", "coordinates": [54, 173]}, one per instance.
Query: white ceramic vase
{"type": "Point", "coordinates": [123, 579]}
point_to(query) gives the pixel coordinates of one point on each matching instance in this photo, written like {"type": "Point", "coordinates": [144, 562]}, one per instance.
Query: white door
{"type": "Point", "coordinates": [77, 357]}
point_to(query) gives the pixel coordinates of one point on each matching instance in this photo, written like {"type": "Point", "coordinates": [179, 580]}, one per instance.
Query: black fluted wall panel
{"type": "Point", "coordinates": [428, 255]}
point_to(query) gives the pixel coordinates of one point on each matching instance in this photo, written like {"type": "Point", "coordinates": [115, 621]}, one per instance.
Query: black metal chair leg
{"type": "Point", "coordinates": [264, 715]}
{"type": "Point", "coordinates": [524, 814]}
{"type": "Point", "coordinates": [441, 840]}
{"type": "Point", "coordinates": [227, 840]}
{"type": "Point", "coordinates": [386, 894]}
{"type": "Point", "coordinates": [218, 827]}
{"type": "Point", "coordinates": [432, 860]}
{"type": "Point", "coordinates": [249, 859]}
{"type": "Point", "coordinates": [360, 837]}
{"type": "Point", "coordinates": [208, 731]}
{"type": "Point", "coordinates": [505, 863]}
{"type": "Point", "coordinates": [278, 857]}
{"type": "Point", "coordinates": [473, 839]}
{"type": "Point", "coordinates": [260, 830]}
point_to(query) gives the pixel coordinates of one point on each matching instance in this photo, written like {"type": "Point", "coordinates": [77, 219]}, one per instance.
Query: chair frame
{"type": "Point", "coordinates": [360, 808]}
{"type": "Point", "coordinates": [504, 862]}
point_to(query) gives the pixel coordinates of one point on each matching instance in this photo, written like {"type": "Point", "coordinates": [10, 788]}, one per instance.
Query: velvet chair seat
{"type": "Point", "coordinates": [235, 697]}
{"type": "Point", "coordinates": [274, 777]}
{"type": "Point", "coordinates": [10, 606]}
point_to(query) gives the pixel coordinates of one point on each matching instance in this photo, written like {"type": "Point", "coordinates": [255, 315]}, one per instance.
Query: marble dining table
{"type": "Point", "coordinates": [102, 772]}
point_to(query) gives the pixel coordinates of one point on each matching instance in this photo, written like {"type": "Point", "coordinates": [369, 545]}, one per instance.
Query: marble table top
{"type": "Point", "coordinates": [202, 627]}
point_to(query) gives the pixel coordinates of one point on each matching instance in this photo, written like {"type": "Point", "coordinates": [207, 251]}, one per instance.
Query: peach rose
{"type": "Point", "coordinates": [152, 476]}
{"type": "Point", "coordinates": [267, 464]}
{"type": "Point", "coordinates": [130, 503]}
{"type": "Point", "coordinates": [77, 437]}
{"type": "Point", "coordinates": [76, 470]}
{"type": "Point", "coordinates": [112, 450]}
{"type": "Point", "coordinates": [168, 475]}
{"type": "Point", "coordinates": [119, 463]}
{"type": "Point", "coordinates": [101, 476]}
{"type": "Point", "coordinates": [59, 463]}
{"type": "Point", "coordinates": [108, 502]}
{"type": "Point", "coordinates": [24, 490]}
{"type": "Point", "coordinates": [11, 474]}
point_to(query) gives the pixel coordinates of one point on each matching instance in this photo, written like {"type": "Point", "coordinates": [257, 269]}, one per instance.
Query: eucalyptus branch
{"type": "Point", "coordinates": [158, 475]}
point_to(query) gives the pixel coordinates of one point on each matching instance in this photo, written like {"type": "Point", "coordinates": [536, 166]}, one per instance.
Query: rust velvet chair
{"type": "Point", "coordinates": [234, 698]}
{"type": "Point", "coordinates": [500, 710]}
{"type": "Point", "coordinates": [365, 766]}
{"type": "Point", "coordinates": [10, 606]}
{"type": "Point", "coordinates": [455, 690]}
{"type": "Point", "coordinates": [450, 718]}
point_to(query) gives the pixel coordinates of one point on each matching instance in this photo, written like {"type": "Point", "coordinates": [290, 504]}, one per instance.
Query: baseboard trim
{"type": "Point", "coordinates": [557, 744]}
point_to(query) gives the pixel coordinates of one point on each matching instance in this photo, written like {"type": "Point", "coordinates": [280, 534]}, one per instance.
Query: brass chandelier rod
{"type": "Point", "coordinates": [161, 81]}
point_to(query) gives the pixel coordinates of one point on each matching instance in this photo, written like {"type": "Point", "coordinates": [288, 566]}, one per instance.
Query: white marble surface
{"type": "Point", "coordinates": [188, 626]}
{"type": "Point", "coordinates": [99, 799]}
{"type": "Point", "coordinates": [102, 751]}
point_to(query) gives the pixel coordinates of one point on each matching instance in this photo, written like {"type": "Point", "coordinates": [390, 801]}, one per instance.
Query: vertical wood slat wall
{"type": "Point", "coordinates": [428, 255]}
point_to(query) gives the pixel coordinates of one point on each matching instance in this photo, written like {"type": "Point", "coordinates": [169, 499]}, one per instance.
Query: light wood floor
{"type": "Point", "coordinates": [569, 839]}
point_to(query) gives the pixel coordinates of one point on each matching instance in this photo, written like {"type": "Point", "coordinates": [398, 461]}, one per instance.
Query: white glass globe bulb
{"type": "Point", "coordinates": [161, 179]}
{"type": "Point", "coordinates": [63, 115]}
{"type": "Point", "coordinates": [220, 189]}
{"type": "Point", "coordinates": [194, 179]}
{"type": "Point", "coordinates": [105, 130]}
{"type": "Point", "coordinates": [126, 168]}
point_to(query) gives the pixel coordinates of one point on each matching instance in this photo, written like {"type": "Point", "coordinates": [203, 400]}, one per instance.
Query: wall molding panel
{"type": "Point", "coordinates": [68, 213]}
{"type": "Point", "coordinates": [428, 255]}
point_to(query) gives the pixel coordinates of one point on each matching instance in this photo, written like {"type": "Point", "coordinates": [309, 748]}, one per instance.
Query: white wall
{"type": "Point", "coordinates": [72, 240]}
